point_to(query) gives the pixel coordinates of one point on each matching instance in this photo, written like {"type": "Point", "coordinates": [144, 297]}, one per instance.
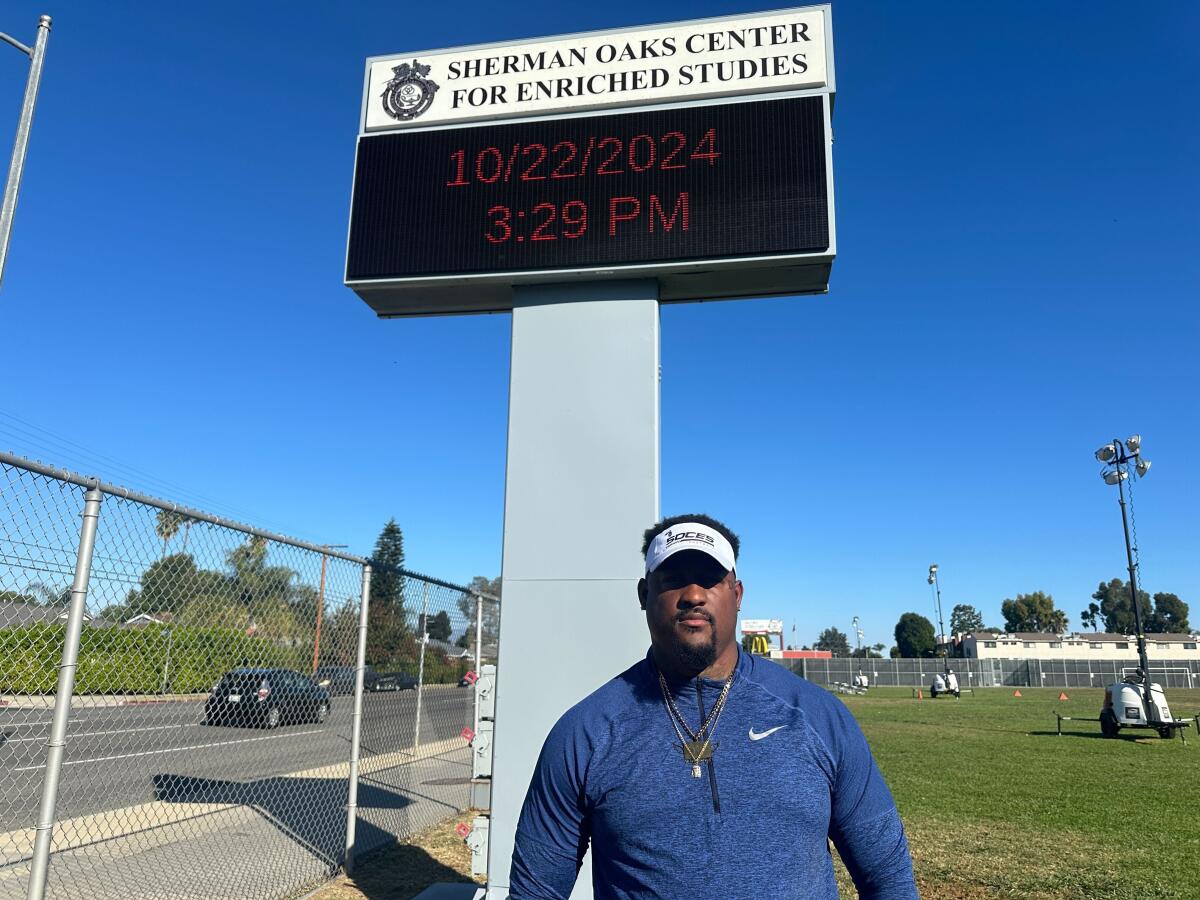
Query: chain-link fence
{"type": "Point", "coordinates": [194, 708]}
{"type": "Point", "coordinates": [979, 673]}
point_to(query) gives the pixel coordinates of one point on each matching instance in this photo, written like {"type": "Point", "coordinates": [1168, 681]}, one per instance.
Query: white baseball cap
{"type": "Point", "coordinates": [690, 536]}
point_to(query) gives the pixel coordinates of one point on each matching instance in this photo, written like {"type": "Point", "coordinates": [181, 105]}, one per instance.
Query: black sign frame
{"type": "Point", "coordinates": [472, 202]}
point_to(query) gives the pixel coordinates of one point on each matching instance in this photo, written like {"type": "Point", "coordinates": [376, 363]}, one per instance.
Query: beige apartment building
{"type": "Point", "coordinates": [1085, 645]}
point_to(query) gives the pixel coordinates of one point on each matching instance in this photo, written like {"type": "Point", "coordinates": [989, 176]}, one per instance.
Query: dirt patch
{"type": "Point", "coordinates": [402, 871]}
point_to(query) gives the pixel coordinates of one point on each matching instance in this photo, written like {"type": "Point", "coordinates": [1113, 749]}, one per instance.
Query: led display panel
{"type": "Point", "coordinates": [598, 195]}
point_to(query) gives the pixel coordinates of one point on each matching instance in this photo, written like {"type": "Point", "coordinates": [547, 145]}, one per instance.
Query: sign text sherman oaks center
{"type": "Point", "coordinates": [697, 153]}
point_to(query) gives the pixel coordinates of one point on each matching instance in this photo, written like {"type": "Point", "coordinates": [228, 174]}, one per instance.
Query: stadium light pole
{"type": "Point", "coordinates": [937, 588]}
{"type": "Point", "coordinates": [37, 55]}
{"type": "Point", "coordinates": [859, 633]}
{"type": "Point", "coordinates": [1116, 457]}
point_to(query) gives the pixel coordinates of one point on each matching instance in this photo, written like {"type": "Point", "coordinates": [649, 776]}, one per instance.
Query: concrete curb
{"type": "Point", "coordinates": [81, 702]}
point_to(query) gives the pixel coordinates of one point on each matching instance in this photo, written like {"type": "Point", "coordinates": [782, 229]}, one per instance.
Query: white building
{"type": "Point", "coordinates": [1099, 646]}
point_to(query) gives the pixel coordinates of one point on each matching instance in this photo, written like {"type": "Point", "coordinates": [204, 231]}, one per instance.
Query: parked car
{"type": "Point", "coordinates": [265, 698]}
{"type": "Point", "coordinates": [340, 680]}
{"type": "Point", "coordinates": [336, 679]}
{"type": "Point", "coordinates": [394, 681]}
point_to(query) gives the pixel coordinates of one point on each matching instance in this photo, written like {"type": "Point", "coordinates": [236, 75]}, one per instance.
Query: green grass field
{"type": "Point", "coordinates": [997, 805]}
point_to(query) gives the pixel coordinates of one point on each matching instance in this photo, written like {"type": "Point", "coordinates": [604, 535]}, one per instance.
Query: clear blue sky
{"type": "Point", "coordinates": [1018, 209]}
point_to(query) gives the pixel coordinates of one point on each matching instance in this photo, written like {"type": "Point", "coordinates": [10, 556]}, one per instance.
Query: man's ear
{"type": "Point", "coordinates": [643, 592]}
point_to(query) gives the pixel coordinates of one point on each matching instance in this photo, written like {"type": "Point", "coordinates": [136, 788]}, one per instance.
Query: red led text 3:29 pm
{"type": "Point", "coordinates": [549, 222]}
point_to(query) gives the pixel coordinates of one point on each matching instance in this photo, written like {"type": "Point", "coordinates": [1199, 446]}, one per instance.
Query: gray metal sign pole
{"type": "Point", "coordinates": [581, 486]}
{"type": "Point", "coordinates": [57, 742]}
{"type": "Point", "coordinates": [36, 53]}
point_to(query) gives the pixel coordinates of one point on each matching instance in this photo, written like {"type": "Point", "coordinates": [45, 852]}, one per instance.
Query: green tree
{"type": "Point", "coordinates": [339, 637]}
{"type": "Point", "coordinates": [1116, 608]}
{"type": "Point", "coordinates": [439, 626]}
{"type": "Point", "coordinates": [44, 594]}
{"type": "Point", "coordinates": [491, 611]}
{"type": "Point", "coordinates": [16, 597]}
{"type": "Point", "coordinates": [274, 620]}
{"type": "Point", "coordinates": [965, 619]}
{"type": "Point", "coordinates": [213, 611]}
{"type": "Point", "coordinates": [387, 581]}
{"type": "Point", "coordinates": [1090, 616]}
{"type": "Point", "coordinates": [252, 582]}
{"type": "Point", "coordinates": [390, 642]}
{"type": "Point", "coordinates": [389, 639]}
{"type": "Point", "coordinates": [1170, 614]}
{"type": "Point", "coordinates": [166, 586]}
{"type": "Point", "coordinates": [1033, 612]}
{"type": "Point", "coordinates": [914, 636]}
{"type": "Point", "coordinates": [834, 641]}
{"type": "Point", "coordinates": [875, 651]}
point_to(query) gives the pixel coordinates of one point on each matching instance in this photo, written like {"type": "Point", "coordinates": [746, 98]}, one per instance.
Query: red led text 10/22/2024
{"type": "Point", "coordinates": [597, 157]}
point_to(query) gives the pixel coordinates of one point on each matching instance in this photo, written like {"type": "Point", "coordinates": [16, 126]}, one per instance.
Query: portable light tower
{"type": "Point", "coordinates": [937, 588]}
{"type": "Point", "coordinates": [1136, 701]}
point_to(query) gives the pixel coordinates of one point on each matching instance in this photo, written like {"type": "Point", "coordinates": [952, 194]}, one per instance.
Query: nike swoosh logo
{"type": "Point", "coordinates": [759, 735]}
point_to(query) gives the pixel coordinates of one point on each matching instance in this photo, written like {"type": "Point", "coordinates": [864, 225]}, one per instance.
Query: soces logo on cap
{"type": "Point", "coordinates": [689, 536]}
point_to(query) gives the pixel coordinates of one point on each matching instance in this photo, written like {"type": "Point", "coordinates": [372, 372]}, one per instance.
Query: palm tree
{"type": "Point", "coordinates": [166, 526]}
{"type": "Point", "coordinates": [46, 595]}
{"type": "Point", "coordinates": [1057, 622]}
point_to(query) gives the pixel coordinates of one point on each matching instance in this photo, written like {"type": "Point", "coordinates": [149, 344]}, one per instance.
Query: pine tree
{"type": "Point", "coordinates": [387, 582]}
{"type": "Point", "coordinates": [388, 635]}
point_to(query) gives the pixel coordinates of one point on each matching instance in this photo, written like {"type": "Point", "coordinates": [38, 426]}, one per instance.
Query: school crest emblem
{"type": "Point", "coordinates": [410, 92]}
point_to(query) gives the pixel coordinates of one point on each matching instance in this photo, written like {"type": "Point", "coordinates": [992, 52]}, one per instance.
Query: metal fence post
{"type": "Point", "coordinates": [56, 743]}
{"type": "Point", "coordinates": [478, 656]}
{"type": "Point", "coordinates": [356, 720]}
{"type": "Point", "coordinates": [424, 620]}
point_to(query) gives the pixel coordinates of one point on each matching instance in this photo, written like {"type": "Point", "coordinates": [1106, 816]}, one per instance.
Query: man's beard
{"type": "Point", "coordinates": [695, 658]}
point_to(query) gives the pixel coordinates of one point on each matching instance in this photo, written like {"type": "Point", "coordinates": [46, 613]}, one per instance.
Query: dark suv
{"type": "Point", "coordinates": [340, 680]}
{"type": "Point", "coordinates": [265, 698]}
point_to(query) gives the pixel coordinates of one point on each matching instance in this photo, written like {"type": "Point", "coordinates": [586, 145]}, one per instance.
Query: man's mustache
{"type": "Point", "coordinates": [694, 614]}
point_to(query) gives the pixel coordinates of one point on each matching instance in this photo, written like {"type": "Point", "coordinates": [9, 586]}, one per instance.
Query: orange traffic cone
{"type": "Point", "coordinates": [1016, 693]}
{"type": "Point", "coordinates": [1062, 695]}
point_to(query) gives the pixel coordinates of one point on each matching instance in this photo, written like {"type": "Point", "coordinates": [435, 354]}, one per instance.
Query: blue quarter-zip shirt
{"type": "Point", "coordinates": [791, 770]}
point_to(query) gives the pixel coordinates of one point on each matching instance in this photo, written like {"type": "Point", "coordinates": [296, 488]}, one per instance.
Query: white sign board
{"type": "Point", "coordinates": [762, 626]}
{"type": "Point", "coordinates": [733, 55]}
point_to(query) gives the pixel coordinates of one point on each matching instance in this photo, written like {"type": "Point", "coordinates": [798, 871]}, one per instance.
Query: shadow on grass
{"type": "Point", "coordinates": [1095, 735]}
{"type": "Point", "coordinates": [402, 871]}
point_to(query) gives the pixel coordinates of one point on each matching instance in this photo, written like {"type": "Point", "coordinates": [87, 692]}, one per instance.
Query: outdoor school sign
{"type": "Point", "coordinates": [684, 61]}
{"type": "Point", "coordinates": [694, 153]}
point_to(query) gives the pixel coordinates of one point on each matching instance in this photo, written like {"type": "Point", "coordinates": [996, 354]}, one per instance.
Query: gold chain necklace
{"type": "Point", "coordinates": [696, 750]}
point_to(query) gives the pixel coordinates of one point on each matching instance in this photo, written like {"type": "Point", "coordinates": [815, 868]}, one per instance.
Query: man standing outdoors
{"type": "Point", "coordinates": [703, 771]}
